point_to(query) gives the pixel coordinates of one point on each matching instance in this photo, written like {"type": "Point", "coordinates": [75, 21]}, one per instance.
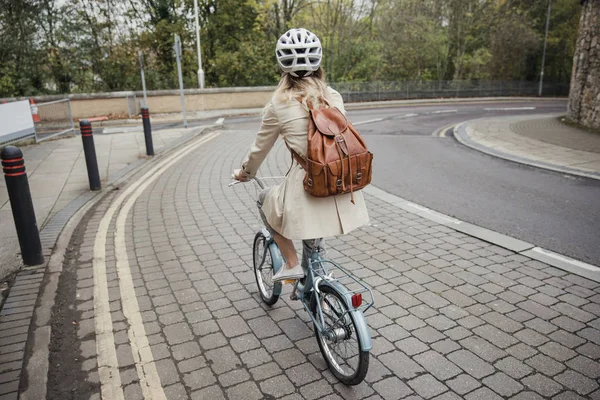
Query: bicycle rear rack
{"type": "Point", "coordinates": [322, 270]}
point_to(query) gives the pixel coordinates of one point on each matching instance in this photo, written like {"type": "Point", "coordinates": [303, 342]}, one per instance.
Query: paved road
{"type": "Point", "coordinates": [556, 211]}
{"type": "Point", "coordinates": [164, 264]}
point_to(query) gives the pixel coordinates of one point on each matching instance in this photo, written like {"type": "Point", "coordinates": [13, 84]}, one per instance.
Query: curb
{"type": "Point", "coordinates": [460, 133]}
{"type": "Point", "coordinates": [518, 246]}
{"type": "Point", "coordinates": [56, 235]}
{"type": "Point", "coordinates": [348, 106]}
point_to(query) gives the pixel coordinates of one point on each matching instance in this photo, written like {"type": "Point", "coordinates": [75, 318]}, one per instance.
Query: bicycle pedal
{"type": "Point", "coordinates": [289, 281]}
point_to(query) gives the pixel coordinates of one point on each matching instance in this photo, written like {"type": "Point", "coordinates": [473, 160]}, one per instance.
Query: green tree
{"type": "Point", "coordinates": [20, 65]}
{"type": "Point", "coordinates": [62, 46]}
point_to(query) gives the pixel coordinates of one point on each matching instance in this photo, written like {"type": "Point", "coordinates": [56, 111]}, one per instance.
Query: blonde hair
{"type": "Point", "coordinates": [311, 89]}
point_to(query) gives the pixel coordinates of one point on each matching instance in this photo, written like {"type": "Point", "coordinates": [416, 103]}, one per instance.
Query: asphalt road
{"type": "Point", "coordinates": [552, 210]}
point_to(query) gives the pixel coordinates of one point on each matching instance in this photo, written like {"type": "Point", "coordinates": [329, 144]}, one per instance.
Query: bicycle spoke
{"type": "Point", "coordinates": [344, 353]}
{"type": "Point", "coordinates": [263, 269]}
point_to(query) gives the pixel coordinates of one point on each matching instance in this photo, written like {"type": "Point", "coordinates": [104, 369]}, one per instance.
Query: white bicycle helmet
{"type": "Point", "coordinates": [299, 52]}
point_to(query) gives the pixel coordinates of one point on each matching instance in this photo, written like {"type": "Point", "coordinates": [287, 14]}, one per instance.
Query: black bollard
{"type": "Point", "coordinates": [147, 131]}
{"type": "Point", "coordinates": [85, 127]}
{"type": "Point", "coordinates": [17, 185]}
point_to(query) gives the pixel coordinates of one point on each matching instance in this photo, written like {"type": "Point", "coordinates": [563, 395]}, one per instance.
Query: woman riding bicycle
{"type": "Point", "coordinates": [287, 210]}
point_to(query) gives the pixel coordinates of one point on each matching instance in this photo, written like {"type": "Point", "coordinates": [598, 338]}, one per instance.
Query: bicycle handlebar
{"type": "Point", "coordinates": [259, 181]}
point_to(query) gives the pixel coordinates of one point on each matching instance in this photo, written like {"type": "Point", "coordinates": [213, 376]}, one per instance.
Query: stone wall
{"type": "Point", "coordinates": [584, 98]}
{"type": "Point", "coordinates": [159, 101]}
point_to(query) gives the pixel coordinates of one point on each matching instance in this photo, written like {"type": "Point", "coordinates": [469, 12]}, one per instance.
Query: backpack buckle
{"type": "Point", "coordinates": [358, 176]}
{"type": "Point", "coordinates": [339, 183]}
{"type": "Point", "coordinates": [309, 182]}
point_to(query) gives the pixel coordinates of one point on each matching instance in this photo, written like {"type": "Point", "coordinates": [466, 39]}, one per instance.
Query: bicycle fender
{"type": "Point", "coordinates": [276, 257]}
{"type": "Point", "coordinates": [364, 334]}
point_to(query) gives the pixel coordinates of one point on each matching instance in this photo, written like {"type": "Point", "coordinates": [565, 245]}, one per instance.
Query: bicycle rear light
{"type": "Point", "coordinates": [356, 300]}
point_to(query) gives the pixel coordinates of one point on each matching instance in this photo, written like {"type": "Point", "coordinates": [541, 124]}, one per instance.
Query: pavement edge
{"type": "Point", "coordinates": [460, 133]}
{"type": "Point", "coordinates": [36, 357]}
{"type": "Point", "coordinates": [518, 246]}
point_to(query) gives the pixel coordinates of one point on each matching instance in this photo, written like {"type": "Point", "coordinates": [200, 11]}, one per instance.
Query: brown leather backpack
{"type": "Point", "coordinates": [337, 160]}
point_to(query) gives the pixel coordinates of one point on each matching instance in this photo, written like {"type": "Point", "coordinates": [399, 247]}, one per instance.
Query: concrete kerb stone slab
{"type": "Point", "coordinates": [564, 263]}
{"type": "Point", "coordinates": [461, 134]}
{"type": "Point", "coordinates": [35, 361]}
{"type": "Point", "coordinates": [518, 246]}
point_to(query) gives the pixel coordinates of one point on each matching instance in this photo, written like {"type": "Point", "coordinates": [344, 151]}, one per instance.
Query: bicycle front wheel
{"type": "Point", "coordinates": [340, 343]}
{"type": "Point", "coordinates": [263, 270]}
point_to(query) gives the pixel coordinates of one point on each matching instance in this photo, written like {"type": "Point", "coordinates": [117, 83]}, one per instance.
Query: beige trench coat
{"type": "Point", "coordinates": [288, 208]}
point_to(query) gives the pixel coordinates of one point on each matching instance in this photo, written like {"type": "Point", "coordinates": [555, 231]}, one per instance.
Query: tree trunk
{"type": "Point", "coordinates": [584, 98]}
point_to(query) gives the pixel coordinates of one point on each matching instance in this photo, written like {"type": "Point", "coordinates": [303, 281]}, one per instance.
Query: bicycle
{"type": "Point", "coordinates": [336, 306]}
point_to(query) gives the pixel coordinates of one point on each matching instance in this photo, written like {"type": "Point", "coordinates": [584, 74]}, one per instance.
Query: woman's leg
{"type": "Point", "coordinates": [287, 249]}
{"type": "Point", "coordinates": [285, 245]}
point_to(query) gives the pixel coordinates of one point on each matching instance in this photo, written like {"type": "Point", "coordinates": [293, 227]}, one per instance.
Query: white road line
{"type": "Point", "coordinates": [406, 115]}
{"type": "Point", "coordinates": [108, 368]}
{"type": "Point", "coordinates": [509, 109]}
{"type": "Point", "coordinates": [367, 122]}
{"type": "Point", "coordinates": [444, 111]}
{"type": "Point", "coordinates": [220, 121]}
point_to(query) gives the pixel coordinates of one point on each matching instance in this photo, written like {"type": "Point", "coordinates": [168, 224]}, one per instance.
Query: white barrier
{"type": "Point", "coordinates": [15, 121]}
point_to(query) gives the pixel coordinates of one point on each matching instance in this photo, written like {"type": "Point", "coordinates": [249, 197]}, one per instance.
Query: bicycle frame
{"type": "Point", "coordinates": [316, 277]}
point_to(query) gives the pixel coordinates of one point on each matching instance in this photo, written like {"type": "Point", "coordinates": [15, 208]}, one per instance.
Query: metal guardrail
{"type": "Point", "coordinates": [17, 140]}
{"type": "Point", "coordinates": [56, 119]}
{"type": "Point", "coordinates": [404, 90]}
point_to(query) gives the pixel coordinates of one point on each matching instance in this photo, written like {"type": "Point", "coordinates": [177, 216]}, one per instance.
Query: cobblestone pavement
{"type": "Point", "coordinates": [455, 317]}
{"type": "Point", "coordinates": [57, 175]}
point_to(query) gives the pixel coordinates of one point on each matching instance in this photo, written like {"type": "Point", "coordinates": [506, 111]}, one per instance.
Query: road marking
{"type": "Point", "coordinates": [509, 109]}
{"type": "Point", "coordinates": [368, 121]}
{"type": "Point", "coordinates": [441, 132]}
{"type": "Point", "coordinates": [220, 121]}
{"type": "Point", "coordinates": [383, 119]}
{"type": "Point", "coordinates": [108, 367]}
{"type": "Point", "coordinates": [444, 111]}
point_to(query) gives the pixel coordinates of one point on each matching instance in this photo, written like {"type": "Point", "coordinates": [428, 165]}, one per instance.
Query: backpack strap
{"type": "Point", "coordinates": [296, 156]}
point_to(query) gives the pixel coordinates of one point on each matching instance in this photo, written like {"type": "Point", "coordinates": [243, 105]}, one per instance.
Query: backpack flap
{"type": "Point", "coordinates": [329, 120]}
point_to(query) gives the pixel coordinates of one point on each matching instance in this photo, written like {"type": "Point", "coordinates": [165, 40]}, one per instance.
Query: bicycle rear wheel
{"type": "Point", "coordinates": [263, 270]}
{"type": "Point", "coordinates": [341, 349]}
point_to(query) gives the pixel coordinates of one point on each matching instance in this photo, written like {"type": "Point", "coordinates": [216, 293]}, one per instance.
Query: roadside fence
{"type": "Point", "coordinates": [402, 90]}
{"type": "Point", "coordinates": [56, 119]}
